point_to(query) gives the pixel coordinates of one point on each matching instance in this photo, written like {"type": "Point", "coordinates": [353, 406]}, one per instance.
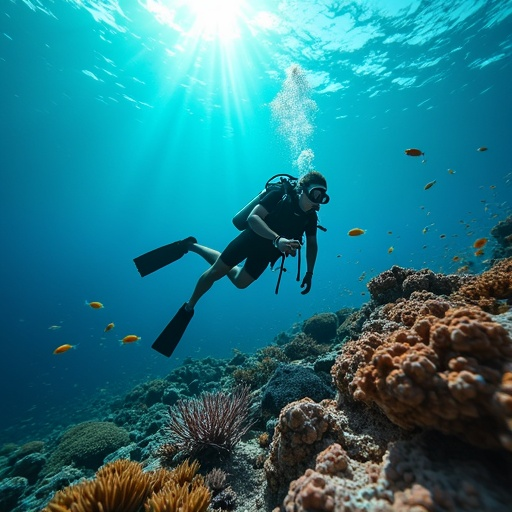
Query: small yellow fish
{"type": "Point", "coordinates": [356, 232]}
{"type": "Point", "coordinates": [131, 338]}
{"type": "Point", "coordinates": [94, 305]}
{"type": "Point", "coordinates": [425, 230]}
{"type": "Point", "coordinates": [451, 171]}
{"type": "Point", "coordinates": [109, 327]}
{"type": "Point", "coordinates": [391, 249]}
{"type": "Point", "coordinates": [430, 184]}
{"type": "Point", "coordinates": [63, 348]}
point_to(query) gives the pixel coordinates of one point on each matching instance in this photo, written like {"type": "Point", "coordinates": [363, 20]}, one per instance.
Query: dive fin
{"type": "Point", "coordinates": [172, 334]}
{"type": "Point", "coordinates": [158, 258]}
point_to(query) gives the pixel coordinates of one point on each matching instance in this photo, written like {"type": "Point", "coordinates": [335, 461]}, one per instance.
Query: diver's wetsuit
{"type": "Point", "coordinates": [285, 218]}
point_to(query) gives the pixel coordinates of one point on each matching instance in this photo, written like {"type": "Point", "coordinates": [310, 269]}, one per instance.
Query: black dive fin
{"type": "Point", "coordinates": [172, 334]}
{"type": "Point", "coordinates": [158, 258]}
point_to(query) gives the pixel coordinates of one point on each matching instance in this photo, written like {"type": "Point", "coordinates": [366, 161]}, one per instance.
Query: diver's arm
{"type": "Point", "coordinates": [311, 252]}
{"type": "Point", "coordinates": [257, 223]}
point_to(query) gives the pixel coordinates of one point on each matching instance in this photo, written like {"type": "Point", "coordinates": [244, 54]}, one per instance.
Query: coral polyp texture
{"type": "Point", "coordinates": [413, 476]}
{"type": "Point", "coordinates": [122, 485]}
{"type": "Point", "coordinates": [487, 289]}
{"type": "Point", "coordinates": [452, 374]}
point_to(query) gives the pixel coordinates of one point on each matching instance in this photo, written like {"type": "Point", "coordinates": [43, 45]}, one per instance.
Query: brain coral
{"type": "Point", "coordinates": [321, 327]}
{"type": "Point", "coordinates": [452, 374]}
{"type": "Point", "coordinates": [87, 444]}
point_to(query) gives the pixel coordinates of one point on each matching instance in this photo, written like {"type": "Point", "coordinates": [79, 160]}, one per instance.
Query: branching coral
{"type": "Point", "coordinates": [213, 421]}
{"type": "Point", "coordinates": [122, 485]}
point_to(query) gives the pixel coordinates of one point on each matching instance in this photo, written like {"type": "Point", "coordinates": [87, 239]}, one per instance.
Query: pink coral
{"type": "Point", "coordinates": [419, 475]}
{"type": "Point", "coordinates": [299, 435]}
{"type": "Point", "coordinates": [332, 460]}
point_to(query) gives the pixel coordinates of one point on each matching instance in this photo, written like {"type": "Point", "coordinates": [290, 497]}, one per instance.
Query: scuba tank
{"type": "Point", "coordinates": [286, 182]}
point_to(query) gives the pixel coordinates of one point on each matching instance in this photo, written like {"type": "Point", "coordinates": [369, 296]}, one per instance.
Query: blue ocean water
{"type": "Point", "coordinates": [126, 125]}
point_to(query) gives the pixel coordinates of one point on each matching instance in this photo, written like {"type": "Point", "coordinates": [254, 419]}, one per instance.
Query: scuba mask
{"type": "Point", "coordinates": [317, 194]}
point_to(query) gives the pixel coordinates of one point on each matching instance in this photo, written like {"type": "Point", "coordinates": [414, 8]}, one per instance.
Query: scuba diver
{"type": "Point", "coordinates": [272, 226]}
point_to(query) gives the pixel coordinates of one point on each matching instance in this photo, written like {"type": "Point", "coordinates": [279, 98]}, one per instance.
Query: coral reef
{"type": "Point", "coordinates": [87, 444]}
{"type": "Point", "coordinates": [303, 346]}
{"type": "Point", "coordinates": [290, 383]}
{"type": "Point", "coordinates": [304, 429]}
{"type": "Point", "coordinates": [502, 233]}
{"type": "Point", "coordinates": [257, 371]}
{"type": "Point", "coordinates": [487, 289]}
{"type": "Point", "coordinates": [419, 475]}
{"type": "Point", "coordinates": [401, 282]}
{"type": "Point", "coordinates": [321, 327]}
{"type": "Point", "coordinates": [449, 374]}
{"type": "Point", "coordinates": [213, 422]}
{"type": "Point", "coordinates": [422, 418]}
{"type": "Point", "coordinates": [122, 485]}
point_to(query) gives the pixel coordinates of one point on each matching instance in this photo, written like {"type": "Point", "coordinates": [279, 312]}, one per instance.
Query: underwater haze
{"type": "Point", "coordinates": [126, 125]}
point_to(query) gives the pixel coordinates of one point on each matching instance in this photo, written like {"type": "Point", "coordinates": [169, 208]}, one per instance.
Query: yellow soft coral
{"type": "Point", "coordinates": [122, 485]}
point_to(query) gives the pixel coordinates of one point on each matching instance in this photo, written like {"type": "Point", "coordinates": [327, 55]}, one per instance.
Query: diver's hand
{"type": "Point", "coordinates": [306, 282]}
{"type": "Point", "coordinates": [288, 247]}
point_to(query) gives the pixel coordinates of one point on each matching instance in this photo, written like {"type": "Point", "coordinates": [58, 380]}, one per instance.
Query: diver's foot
{"type": "Point", "coordinates": [186, 243]}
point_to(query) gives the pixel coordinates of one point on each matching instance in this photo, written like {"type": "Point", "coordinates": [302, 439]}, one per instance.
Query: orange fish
{"type": "Point", "coordinates": [63, 348]}
{"type": "Point", "coordinates": [131, 338]}
{"type": "Point", "coordinates": [391, 249]}
{"type": "Point", "coordinates": [480, 243]}
{"type": "Point", "coordinates": [462, 269]}
{"type": "Point", "coordinates": [479, 252]}
{"type": "Point", "coordinates": [451, 171]}
{"type": "Point", "coordinates": [109, 327]}
{"type": "Point", "coordinates": [456, 258]}
{"type": "Point", "coordinates": [429, 185]}
{"type": "Point", "coordinates": [356, 232]}
{"type": "Point", "coordinates": [94, 305]}
{"type": "Point", "coordinates": [482, 148]}
{"type": "Point", "coordinates": [414, 152]}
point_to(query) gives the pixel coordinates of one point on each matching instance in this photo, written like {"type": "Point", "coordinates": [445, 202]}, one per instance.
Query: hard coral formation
{"type": "Point", "coordinates": [122, 485]}
{"type": "Point", "coordinates": [448, 374]}
{"type": "Point", "coordinates": [302, 346]}
{"type": "Point", "coordinates": [414, 476]}
{"type": "Point", "coordinates": [87, 444]}
{"type": "Point", "coordinates": [304, 429]}
{"type": "Point", "coordinates": [402, 282]}
{"type": "Point", "coordinates": [502, 233]}
{"type": "Point", "coordinates": [290, 383]}
{"type": "Point", "coordinates": [321, 327]}
{"type": "Point", "coordinates": [489, 287]}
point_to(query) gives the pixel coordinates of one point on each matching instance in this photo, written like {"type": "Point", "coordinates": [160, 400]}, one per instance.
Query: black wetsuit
{"type": "Point", "coordinates": [286, 218]}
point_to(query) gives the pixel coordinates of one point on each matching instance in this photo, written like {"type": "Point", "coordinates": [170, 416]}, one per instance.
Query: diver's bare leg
{"type": "Point", "coordinates": [211, 256]}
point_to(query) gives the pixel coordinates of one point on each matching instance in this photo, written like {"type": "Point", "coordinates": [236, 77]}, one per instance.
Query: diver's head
{"type": "Point", "coordinates": [313, 186]}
